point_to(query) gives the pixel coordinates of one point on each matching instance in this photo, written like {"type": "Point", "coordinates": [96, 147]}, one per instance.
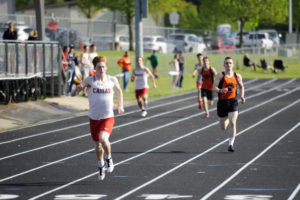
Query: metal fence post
{"type": "Point", "coordinates": [52, 72]}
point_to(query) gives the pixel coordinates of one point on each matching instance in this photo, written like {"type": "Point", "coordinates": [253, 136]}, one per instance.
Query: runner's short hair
{"type": "Point", "coordinates": [99, 59]}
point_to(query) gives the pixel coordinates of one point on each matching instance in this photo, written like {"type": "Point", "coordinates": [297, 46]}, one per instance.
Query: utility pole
{"type": "Point", "coordinates": [141, 10]}
{"type": "Point", "coordinates": [290, 17]}
{"type": "Point", "coordinates": [39, 17]}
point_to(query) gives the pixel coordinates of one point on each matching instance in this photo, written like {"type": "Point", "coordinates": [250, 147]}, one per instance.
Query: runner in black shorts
{"type": "Point", "coordinates": [208, 73]}
{"type": "Point", "coordinates": [226, 85]}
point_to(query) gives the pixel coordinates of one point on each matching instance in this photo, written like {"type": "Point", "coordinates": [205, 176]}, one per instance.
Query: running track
{"type": "Point", "coordinates": [173, 153]}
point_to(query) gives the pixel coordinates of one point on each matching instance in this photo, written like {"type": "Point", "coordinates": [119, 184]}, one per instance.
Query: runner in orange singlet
{"type": "Point", "coordinates": [208, 73]}
{"type": "Point", "coordinates": [227, 108]}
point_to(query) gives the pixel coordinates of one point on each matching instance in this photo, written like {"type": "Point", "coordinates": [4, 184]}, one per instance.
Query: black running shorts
{"type": "Point", "coordinates": [207, 93]}
{"type": "Point", "coordinates": [226, 106]}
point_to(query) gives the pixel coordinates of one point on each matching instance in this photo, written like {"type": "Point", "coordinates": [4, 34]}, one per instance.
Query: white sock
{"type": "Point", "coordinates": [231, 141]}
{"type": "Point", "coordinates": [101, 163]}
{"type": "Point", "coordinates": [108, 156]}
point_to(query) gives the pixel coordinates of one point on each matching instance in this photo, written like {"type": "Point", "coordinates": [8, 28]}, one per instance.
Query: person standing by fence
{"type": "Point", "coordinates": [227, 108]}
{"type": "Point", "coordinates": [154, 63]}
{"type": "Point", "coordinates": [181, 69]}
{"type": "Point", "coordinates": [10, 33]}
{"type": "Point", "coordinates": [125, 63]}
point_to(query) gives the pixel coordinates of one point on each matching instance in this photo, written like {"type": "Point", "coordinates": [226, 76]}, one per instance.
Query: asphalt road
{"type": "Point", "coordinates": [173, 153]}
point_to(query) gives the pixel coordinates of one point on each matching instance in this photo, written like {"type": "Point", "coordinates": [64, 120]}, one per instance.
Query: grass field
{"type": "Point", "coordinates": [189, 83]}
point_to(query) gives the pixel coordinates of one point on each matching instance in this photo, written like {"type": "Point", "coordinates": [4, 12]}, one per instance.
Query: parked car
{"type": "Point", "coordinates": [273, 35]}
{"type": "Point", "coordinates": [255, 39]}
{"type": "Point", "coordinates": [187, 43]}
{"type": "Point", "coordinates": [235, 37]}
{"type": "Point", "coordinates": [123, 42]}
{"type": "Point", "coordinates": [158, 43]}
{"type": "Point", "coordinates": [220, 43]}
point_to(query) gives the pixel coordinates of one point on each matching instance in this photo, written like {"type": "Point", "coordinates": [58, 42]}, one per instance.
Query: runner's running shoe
{"type": "Point", "coordinates": [101, 173]}
{"type": "Point", "coordinates": [206, 116]}
{"type": "Point", "coordinates": [230, 148]}
{"type": "Point", "coordinates": [109, 165]}
{"type": "Point", "coordinates": [144, 113]}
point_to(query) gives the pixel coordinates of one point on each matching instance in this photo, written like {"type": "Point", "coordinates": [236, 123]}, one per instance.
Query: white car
{"type": "Point", "coordinates": [255, 39]}
{"type": "Point", "coordinates": [273, 35]}
{"type": "Point", "coordinates": [235, 37]}
{"type": "Point", "coordinates": [187, 43]}
{"type": "Point", "coordinates": [158, 43]}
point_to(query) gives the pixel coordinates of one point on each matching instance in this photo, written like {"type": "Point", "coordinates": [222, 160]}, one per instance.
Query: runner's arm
{"type": "Point", "coordinates": [241, 87]}
{"type": "Point", "coordinates": [119, 94]}
{"type": "Point", "coordinates": [152, 77]}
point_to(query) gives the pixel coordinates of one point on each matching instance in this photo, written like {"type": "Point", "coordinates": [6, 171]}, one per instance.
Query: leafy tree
{"type": "Point", "coordinates": [88, 7]}
{"type": "Point", "coordinates": [126, 7]}
{"type": "Point", "coordinates": [296, 15]}
{"type": "Point", "coordinates": [253, 11]}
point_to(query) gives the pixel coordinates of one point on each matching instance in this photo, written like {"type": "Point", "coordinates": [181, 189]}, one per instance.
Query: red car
{"type": "Point", "coordinates": [222, 43]}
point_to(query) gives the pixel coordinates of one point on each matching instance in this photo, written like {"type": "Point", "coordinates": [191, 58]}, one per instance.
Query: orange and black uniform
{"type": "Point", "coordinates": [227, 102]}
{"type": "Point", "coordinates": [208, 82]}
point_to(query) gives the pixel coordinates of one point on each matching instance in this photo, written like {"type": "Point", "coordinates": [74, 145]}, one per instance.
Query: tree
{"type": "Point", "coordinates": [88, 7]}
{"type": "Point", "coordinates": [253, 11]}
{"type": "Point", "coordinates": [126, 7]}
{"type": "Point", "coordinates": [296, 15]}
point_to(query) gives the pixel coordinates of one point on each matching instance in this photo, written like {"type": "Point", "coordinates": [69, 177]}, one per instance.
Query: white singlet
{"type": "Point", "coordinates": [92, 56]}
{"type": "Point", "coordinates": [86, 59]}
{"type": "Point", "coordinates": [101, 98]}
{"type": "Point", "coordinates": [141, 78]}
{"type": "Point", "coordinates": [199, 77]}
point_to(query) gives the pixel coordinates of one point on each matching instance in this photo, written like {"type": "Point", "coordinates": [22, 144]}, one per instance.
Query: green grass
{"type": "Point", "coordinates": [189, 83]}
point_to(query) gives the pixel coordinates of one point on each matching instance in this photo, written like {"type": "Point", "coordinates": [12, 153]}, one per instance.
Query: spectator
{"type": "Point", "coordinates": [93, 54]}
{"type": "Point", "coordinates": [181, 69]}
{"type": "Point", "coordinates": [154, 63]}
{"type": "Point", "coordinates": [53, 27]}
{"type": "Point", "coordinates": [125, 63]}
{"type": "Point", "coordinates": [71, 69]}
{"type": "Point", "coordinates": [174, 70]}
{"type": "Point", "coordinates": [10, 33]}
{"type": "Point", "coordinates": [86, 65]}
{"type": "Point", "coordinates": [248, 63]}
{"type": "Point", "coordinates": [64, 67]}
{"type": "Point", "coordinates": [33, 35]}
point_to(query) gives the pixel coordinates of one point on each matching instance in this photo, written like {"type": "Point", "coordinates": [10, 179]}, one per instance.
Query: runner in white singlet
{"type": "Point", "coordinates": [101, 100]}
{"type": "Point", "coordinates": [198, 69]}
{"type": "Point", "coordinates": [140, 75]}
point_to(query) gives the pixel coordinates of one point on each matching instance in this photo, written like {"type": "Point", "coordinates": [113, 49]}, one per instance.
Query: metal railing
{"type": "Point", "coordinates": [29, 69]}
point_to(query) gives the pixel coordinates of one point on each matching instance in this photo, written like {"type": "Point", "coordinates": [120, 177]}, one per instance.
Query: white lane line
{"type": "Point", "coordinates": [174, 140]}
{"type": "Point", "coordinates": [293, 195]}
{"type": "Point", "coordinates": [67, 118]}
{"type": "Point", "coordinates": [248, 163]}
{"type": "Point", "coordinates": [126, 124]}
{"type": "Point", "coordinates": [132, 136]}
{"type": "Point", "coordinates": [126, 113]}
{"type": "Point", "coordinates": [86, 123]}
{"type": "Point", "coordinates": [151, 100]}
{"type": "Point", "coordinates": [199, 155]}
